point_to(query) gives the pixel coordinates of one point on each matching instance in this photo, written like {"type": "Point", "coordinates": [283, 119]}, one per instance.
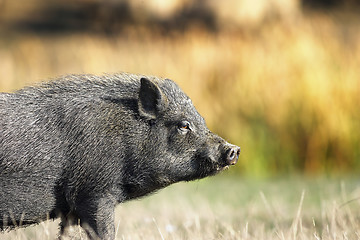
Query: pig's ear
{"type": "Point", "coordinates": [151, 100]}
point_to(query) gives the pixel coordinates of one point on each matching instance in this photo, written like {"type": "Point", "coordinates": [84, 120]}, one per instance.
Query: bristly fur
{"type": "Point", "coordinates": [76, 146]}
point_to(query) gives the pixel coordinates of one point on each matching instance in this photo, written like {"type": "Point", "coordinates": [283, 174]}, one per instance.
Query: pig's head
{"type": "Point", "coordinates": [182, 146]}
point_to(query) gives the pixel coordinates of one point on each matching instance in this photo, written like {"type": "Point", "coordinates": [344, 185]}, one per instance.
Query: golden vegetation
{"type": "Point", "coordinates": [287, 92]}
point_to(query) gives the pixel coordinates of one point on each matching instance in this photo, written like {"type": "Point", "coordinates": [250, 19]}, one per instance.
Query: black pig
{"type": "Point", "coordinates": [78, 145]}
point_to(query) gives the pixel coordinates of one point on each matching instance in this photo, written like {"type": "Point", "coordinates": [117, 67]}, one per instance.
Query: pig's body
{"type": "Point", "coordinates": [75, 147]}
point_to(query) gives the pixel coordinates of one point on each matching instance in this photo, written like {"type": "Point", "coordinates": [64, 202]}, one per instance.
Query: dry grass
{"type": "Point", "coordinates": [234, 208]}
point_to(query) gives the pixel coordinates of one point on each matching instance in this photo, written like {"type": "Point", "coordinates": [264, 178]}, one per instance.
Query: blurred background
{"type": "Point", "coordinates": [280, 78]}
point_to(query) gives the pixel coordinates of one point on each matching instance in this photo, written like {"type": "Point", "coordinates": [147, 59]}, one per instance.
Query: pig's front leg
{"type": "Point", "coordinates": [97, 217]}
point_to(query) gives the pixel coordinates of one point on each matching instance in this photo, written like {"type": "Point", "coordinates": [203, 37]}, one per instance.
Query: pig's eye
{"type": "Point", "coordinates": [184, 126]}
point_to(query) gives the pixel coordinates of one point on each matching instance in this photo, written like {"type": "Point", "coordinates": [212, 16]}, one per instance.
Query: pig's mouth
{"type": "Point", "coordinates": [205, 167]}
{"type": "Point", "coordinates": [220, 169]}
{"type": "Point", "coordinates": [209, 163]}
{"type": "Point", "coordinates": [213, 167]}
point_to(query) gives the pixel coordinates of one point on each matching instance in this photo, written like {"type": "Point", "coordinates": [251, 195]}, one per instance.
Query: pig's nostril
{"type": "Point", "coordinates": [232, 155]}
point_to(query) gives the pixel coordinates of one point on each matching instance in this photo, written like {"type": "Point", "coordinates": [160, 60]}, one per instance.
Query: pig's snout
{"type": "Point", "coordinates": [232, 154]}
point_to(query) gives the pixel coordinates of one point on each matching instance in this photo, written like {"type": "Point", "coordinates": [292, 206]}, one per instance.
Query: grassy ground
{"type": "Point", "coordinates": [235, 208]}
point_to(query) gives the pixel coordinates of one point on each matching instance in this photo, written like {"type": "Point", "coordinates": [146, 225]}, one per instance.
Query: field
{"type": "Point", "coordinates": [286, 90]}
{"type": "Point", "coordinates": [228, 207]}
